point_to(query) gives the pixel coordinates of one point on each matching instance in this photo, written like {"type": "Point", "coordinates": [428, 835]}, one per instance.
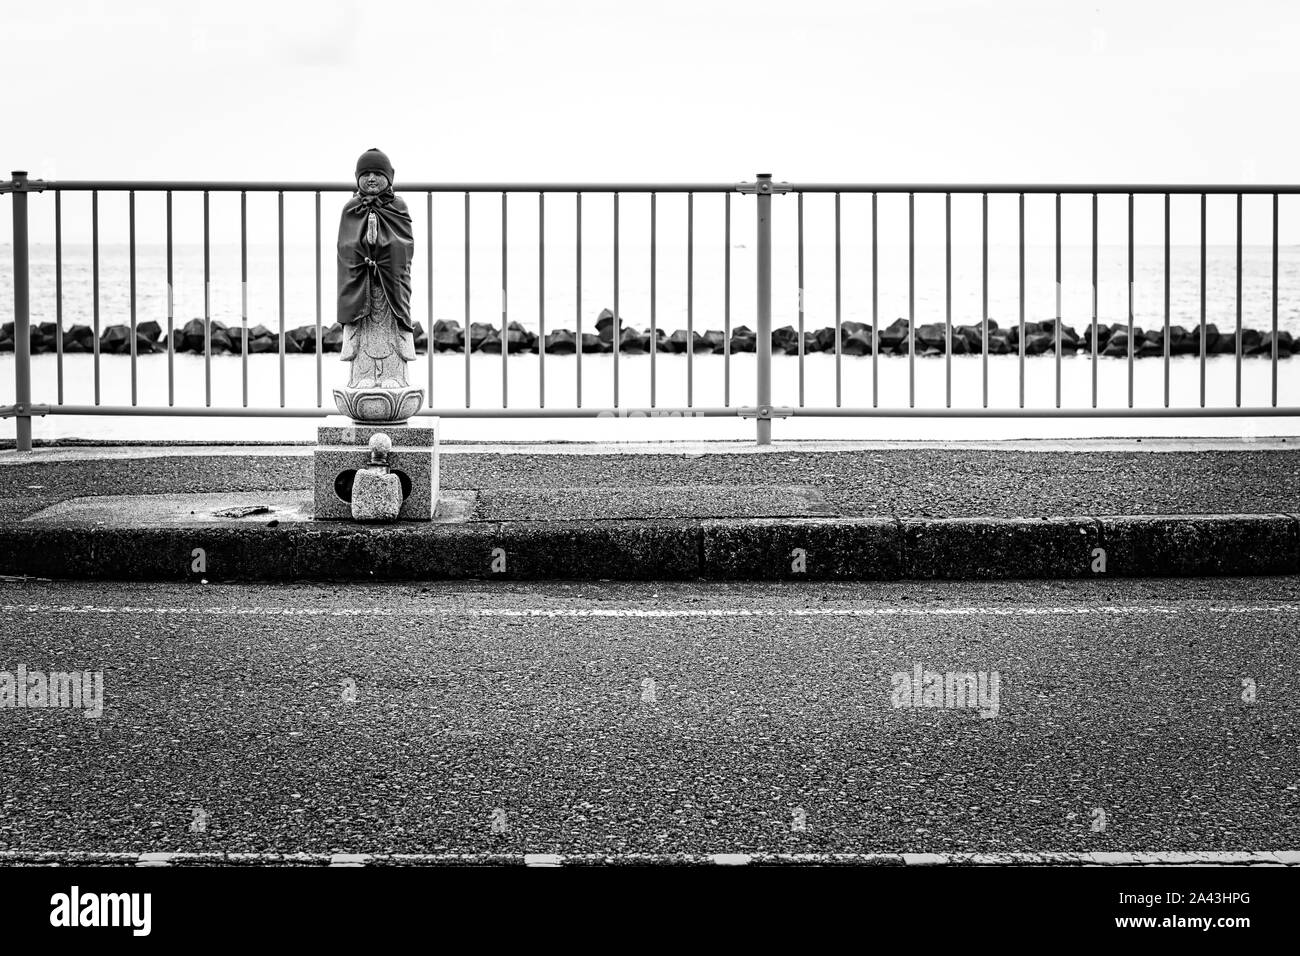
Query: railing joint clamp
{"type": "Point", "coordinates": [766, 412]}
{"type": "Point", "coordinates": [765, 187]}
{"type": "Point", "coordinates": [23, 410]}
{"type": "Point", "coordinates": [22, 186]}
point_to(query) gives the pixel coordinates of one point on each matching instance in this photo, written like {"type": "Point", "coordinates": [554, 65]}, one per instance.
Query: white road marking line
{"type": "Point", "coordinates": [1134, 858]}
{"type": "Point", "coordinates": [885, 611]}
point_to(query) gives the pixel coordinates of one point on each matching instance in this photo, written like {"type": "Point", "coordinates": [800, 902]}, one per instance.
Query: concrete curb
{"type": "Point", "coordinates": [990, 548]}
{"type": "Point", "coordinates": [819, 549]}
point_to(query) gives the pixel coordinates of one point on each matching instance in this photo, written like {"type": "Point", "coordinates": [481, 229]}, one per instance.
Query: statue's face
{"type": "Point", "coordinates": [372, 183]}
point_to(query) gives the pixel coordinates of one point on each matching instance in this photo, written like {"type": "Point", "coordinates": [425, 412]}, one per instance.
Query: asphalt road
{"type": "Point", "coordinates": [655, 718]}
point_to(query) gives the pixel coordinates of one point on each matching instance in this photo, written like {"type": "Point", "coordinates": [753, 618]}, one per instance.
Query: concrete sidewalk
{"type": "Point", "coordinates": [825, 511]}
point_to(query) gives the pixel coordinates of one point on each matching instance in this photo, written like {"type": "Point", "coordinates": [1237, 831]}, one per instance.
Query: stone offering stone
{"type": "Point", "coordinates": [376, 495]}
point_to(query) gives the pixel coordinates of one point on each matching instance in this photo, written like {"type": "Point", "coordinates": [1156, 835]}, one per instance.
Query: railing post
{"type": "Point", "coordinates": [764, 317]}
{"type": "Point", "coordinates": [22, 317]}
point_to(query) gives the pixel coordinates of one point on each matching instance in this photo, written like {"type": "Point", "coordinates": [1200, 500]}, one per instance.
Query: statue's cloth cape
{"type": "Point", "coordinates": [387, 262]}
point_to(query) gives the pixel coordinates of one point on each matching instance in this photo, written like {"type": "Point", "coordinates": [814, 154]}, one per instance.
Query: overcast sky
{"type": "Point", "coordinates": [924, 90]}
{"type": "Point", "coordinates": [897, 91]}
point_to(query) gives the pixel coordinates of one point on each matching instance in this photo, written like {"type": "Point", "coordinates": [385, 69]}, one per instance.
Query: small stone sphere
{"type": "Point", "coordinates": [380, 443]}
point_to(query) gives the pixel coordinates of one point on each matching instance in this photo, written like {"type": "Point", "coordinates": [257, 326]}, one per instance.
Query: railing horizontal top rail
{"type": "Point", "coordinates": [111, 185]}
{"type": "Point", "coordinates": [1174, 189]}
{"type": "Point", "coordinates": [1104, 189]}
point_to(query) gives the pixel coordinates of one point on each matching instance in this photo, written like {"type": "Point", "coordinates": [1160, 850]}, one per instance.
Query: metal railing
{"type": "Point", "coordinates": [763, 189]}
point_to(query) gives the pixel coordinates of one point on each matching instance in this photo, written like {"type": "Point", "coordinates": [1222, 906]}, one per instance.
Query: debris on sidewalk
{"type": "Point", "coordinates": [243, 511]}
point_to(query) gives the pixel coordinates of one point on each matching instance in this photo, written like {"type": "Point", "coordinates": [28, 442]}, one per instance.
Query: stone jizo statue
{"type": "Point", "coordinates": [375, 248]}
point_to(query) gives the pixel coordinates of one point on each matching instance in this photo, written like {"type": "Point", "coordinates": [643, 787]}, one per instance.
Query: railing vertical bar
{"type": "Point", "coordinates": [839, 330]}
{"type": "Point", "coordinates": [428, 271]}
{"type": "Point", "coordinates": [1059, 317]}
{"type": "Point", "coordinates": [578, 298]}
{"type": "Point", "coordinates": [280, 267]}
{"type": "Point", "coordinates": [763, 310]}
{"type": "Point", "coordinates": [94, 272]}
{"type": "Point", "coordinates": [505, 333]}
{"type": "Point", "coordinates": [1166, 335]}
{"type": "Point", "coordinates": [654, 325]}
{"type": "Point", "coordinates": [22, 331]}
{"type": "Point", "coordinates": [243, 294]}
{"type": "Point", "coordinates": [320, 374]}
{"type": "Point", "coordinates": [1020, 331]}
{"type": "Point", "coordinates": [800, 301]}
{"type": "Point", "coordinates": [131, 241]}
{"type": "Point", "coordinates": [541, 300]}
{"type": "Point", "coordinates": [171, 314]}
{"type": "Point", "coordinates": [984, 294]}
{"type": "Point", "coordinates": [1130, 300]}
{"type": "Point", "coordinates": [58, 288]}
{"type": "Point", "coordinates": [690, 300]}
{"type": "Point", "coordinates": [207, 304]}
{"type": "Point", "coordinates": [1275, 300]}
{"type": "Point", "coordinates": [616, 330]}
{"type": "Point", "coordinates": [875, 307]}
{"type": "Point", "coordinates": [1203, 335]}
{"type": "Point", "coordinates": [1094, 300]}
{"type": "Point", "coordinates": [468, 344]}
{"type": "Point", "coordinates": [1239, 223]}
{"type": "Point", "coordinates": [911, 300]}
{"type": "Point", "coordinates": [726, 299]}
{"type": "Point", "coordinates": [947, 299]}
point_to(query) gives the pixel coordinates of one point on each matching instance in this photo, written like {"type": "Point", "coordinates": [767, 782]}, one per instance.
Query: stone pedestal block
{"type": "Point", "coordinates": [343, 448]}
